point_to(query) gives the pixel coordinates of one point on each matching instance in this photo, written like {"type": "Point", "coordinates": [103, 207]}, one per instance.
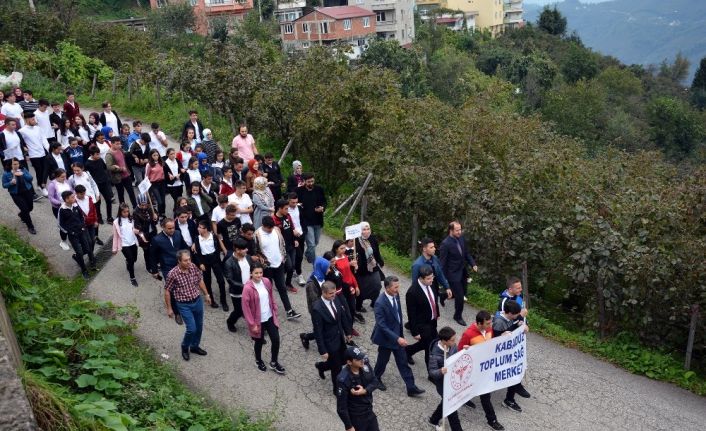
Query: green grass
{"type": "Point", "coordinates": [84, 369]}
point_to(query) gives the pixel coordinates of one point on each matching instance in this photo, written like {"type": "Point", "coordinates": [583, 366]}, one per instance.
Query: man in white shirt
{"type": "Point", "coordinates": [186, 227]}
{"type": "Point", "coordinates": [270, 243]}
{"type": "Point", "coordinates": [11, 109]}
{"type": "Point", "coordinates": [294, 212]}
{"type": "Point", "coordinates": [42, 115]}
{"type": "Point", "coordinates": [158, 140]}
{"type": "Point", "coordinates": [242, 201]}
{"type": "Point", "coordinates": [219, 212]}
{"type": "Point", "coordinates": [37, 148]}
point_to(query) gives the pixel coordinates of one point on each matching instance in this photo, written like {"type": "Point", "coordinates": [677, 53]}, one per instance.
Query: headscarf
{"type": "Point", "coordinates": [251, 163]}
{"type": "Point", "coordinates": [296, 164]}
{"type": "Point", "coordinates": [105, 130]}
{"type": "Point", "coordinates": [205, 133]}
{"type": "Point", "coordinates": [260, 188]}
{"type": "Point", "coordinates": [370, 262]}
{"type": "Point", "coordinates": [321, 267]}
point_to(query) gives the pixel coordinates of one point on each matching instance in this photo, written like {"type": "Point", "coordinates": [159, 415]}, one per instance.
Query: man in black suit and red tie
{"type": "Point", "coordinates": [332, 329]}
{"type": "Point", "coordinates": [454, 257]}
{"type": "Point", "coordinates": [423, 312]}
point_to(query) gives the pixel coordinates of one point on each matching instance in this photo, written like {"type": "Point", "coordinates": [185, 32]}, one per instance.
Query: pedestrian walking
{"type": "Point", "coordinates": [125, 239]}
{"type": "Point", "coordinates": [369, 272]}
{"type": "Point", "coordinates": [455, 260]}
{"type": "Point", "coordinates": [207, 257]}
{"type": "Point", "coordinates": [441, 348]}
{"type": "Point", "coordinates": [354, 396]}
{"type": "Point", "coordinates": [18, 182]}
{"type": "Point", "coordinates": [237, 273]}
{"type": "Point", "coordinates": [313, 201]}
{"type": "Point", "coordinates": [423, 313]}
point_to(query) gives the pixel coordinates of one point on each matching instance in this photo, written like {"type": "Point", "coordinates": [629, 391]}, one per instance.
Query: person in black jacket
{"type": "Point", "coordinates": [274, 175]}
{"type": "Point", "coordinates": [54, 160]}
{"type": "Point", "coordinates": [207, 256]}
{"type": "Point", "coordinates": [454, 258]}
{"type": "Point", "coordinates": [193, 123]}
{"type": "Point", "coordinates": [140, 151]}
{"type": "Point", "coordinates": [354, 397]}
{"type": "Point", "coordinates": [71, 221]}
{"type": "Point", "coordinates": [423, 312]}
{"type": "Point", "coordinates": [96, 166]}
{"type": "Point", "coordinates": [442, 347]}
{"type": "Point", "coordinates": [332, 329]}
{"type": "Point", "coordinates": [369, 273]}
{"type": "Point", "coordinates": [313, 202]}
{"type": "Point", "coordinates": [237, 273]}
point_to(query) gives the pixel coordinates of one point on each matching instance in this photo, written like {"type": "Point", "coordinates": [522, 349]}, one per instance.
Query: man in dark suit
{"type": "Point", "coordinates": [193, 123]}
{"type": "Point", "coordinates": [423, 312]}
{"type": "Point", "coordinates": [163, 249]}
{"type": "Point", "coordinates": [387, 334]}
{"type": "Point", "coordinates": [454, 256]}
{"type": "Point", "coordinates": [332, 329]}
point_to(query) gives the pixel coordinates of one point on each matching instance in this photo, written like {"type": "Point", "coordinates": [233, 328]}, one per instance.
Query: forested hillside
{"type": "Point", "coordinates": [589, 170]}
{"type": "Point", "coordinates": [638, 31]}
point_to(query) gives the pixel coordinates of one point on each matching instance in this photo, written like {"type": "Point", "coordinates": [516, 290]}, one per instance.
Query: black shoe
{"type": "Point", "coordinates": [496, 426]}
{"type": "Point", "coordinates": [291, 314]}
{"type": "Point", "coordinates": [100, 221]}
{"type": "Point", "coordinates": [85, 275]}
{"type": "Point", "coordinates": [512, 406]}
{"type": "Point", "coordinates": [442, 299]}
{"type": "Point", "coordinates": [414, 391]}
{"type": "Point", "coordinates": [361, 310]}
{"type": "Point", "coordinates": [276, 367]}
{"type": "Point", "coordinates": [214, 304]}
{"type": "Point", "coordinates": [224, 306]}
{"type": "Point", "coordinates": [435, 425]}
{"type": "Point", "coordinates": [264, 341]}
{"type": "Point", "coordinates": [178, 319]}
{"type": "Point", "coordinates": [410, 361]}
{"type": "Point", "coordinates": [261, 366]}
{"type": "Point", "coordinates": [430, 379]}
{"type": "Point", "coordinates": [381, 386]}
{"type": "Point", "coordinates": [185, 353]}
{"type": "Point", "coordinates": [304, 340]}
{"type": "Point", "coordinates": [31, 230]}
{"type": "Point", "coordinates": [98, 241]}
{"type": "Point", "coordinates": [110, 220]}
{"type": "Point", "coordinates": [198, 351]}
{"type": "Point", "coordinates": [461, 322]}
{"type": "Point", "coordinates": [231, 328]}
{"type": "Point", "coordinates": [521, 391]}
{"type": "Point", "coordinates": [471, 404]}
{"type": "Point", "coordinates": [359, 318]}
{"type": "Point", "coordinates": [94, 265]}
{"type": "Point", "coordinates": [406, 325]}
{"type": "Point", "coordinates": [322, 376]}
{"type": "Point", "coordinates": [133, 282]}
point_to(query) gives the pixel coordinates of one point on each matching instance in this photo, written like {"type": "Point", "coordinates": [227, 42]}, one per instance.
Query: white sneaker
{"type": "Point", "coordinates": [301, 280]}
{"type": "Point", "coordinates": [465, 299]}
{"type": "Point", "coordinates": [64, 246]}
{"type": "Point", "coordinates": [45, 192]}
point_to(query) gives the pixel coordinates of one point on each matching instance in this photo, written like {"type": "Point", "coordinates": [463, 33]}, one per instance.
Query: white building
{"type": "Point", "coordinates": [394, 18]}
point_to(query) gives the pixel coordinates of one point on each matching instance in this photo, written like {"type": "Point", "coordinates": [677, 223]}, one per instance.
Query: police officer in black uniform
{"type": "Point", "coordinates": [354, 395]}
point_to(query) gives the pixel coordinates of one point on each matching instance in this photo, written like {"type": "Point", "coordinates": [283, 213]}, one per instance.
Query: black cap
{"type": "Point", "coordinates": [354, 353]}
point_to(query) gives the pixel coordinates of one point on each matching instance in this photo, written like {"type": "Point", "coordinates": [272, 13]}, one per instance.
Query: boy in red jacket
{"type": "Point", "coordinates": [479, 332]}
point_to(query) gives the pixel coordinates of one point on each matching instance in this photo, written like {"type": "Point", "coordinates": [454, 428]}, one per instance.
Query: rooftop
{"type": "Point", "coordinates": [343, 12]}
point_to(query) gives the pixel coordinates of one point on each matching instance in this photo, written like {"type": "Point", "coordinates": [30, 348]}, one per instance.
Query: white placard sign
{"type": "Point", "coordinates": [144, 186]}
{"type": "Point", "coordinates": [494, 364]}
{"type": "Point", "coordinates": [353, 231]}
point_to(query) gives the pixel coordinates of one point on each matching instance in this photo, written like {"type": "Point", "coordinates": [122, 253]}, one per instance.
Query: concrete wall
{"type": "Point", "coordinates": [15, 411]}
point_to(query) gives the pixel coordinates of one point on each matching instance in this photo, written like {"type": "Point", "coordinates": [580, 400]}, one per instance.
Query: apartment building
{"type": "Point", "coordinates": [492, 15]}
{"type": "Point", "coordinates": [206, 11]}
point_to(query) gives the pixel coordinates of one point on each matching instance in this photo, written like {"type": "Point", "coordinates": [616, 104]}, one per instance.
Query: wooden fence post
{"type": "Point", "coordinates": [115, 79]}
{"type": "Point", "coordinates": [9, 333]}
{"type": "Point", "coordinates": [286, 150]}
{"type": "Point", "coordinates": [129, 88]}
{"type": "Point", "coordinates": [525, 285]}
{"type": "Point", "coordinates": [692, 335]}
{"type": "Point", "coordinates": [233, 126]}
{"type": "Point", "coordinates": [93, 87]}
{"type": "Point", "coordinates": [359, 197]}
{"type": "Point", "coordinates": [363, 208]}
{"type": "Point", "coordinates": [348, 199]}
{"type": "Point", "coordinates": [415, 233]}
{"type": "Point", "coordinates": [600, 299]}
{"type": "Point", "coordinates": [158, 95]}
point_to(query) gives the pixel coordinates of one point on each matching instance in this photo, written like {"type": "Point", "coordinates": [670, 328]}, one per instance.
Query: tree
{"type": "Point", "coordinates": [552, 21]}
{"type": "Point", "coordinates": [580, 63]}
{"type": "Point", "coordinates": [407, 63]}
{"type": "Point", "coordinates": [677, 71]}
{"type": "Point", "coordinates": [699, 82]}
{"type": "Point", "coordinates": [675, 127]}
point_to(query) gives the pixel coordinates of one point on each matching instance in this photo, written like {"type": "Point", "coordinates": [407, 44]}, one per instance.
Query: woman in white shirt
{"type": "Point", "coordinates": [192, 172]}
{"type": "Point", "coordinates": [65, 133]}
{"type": "Point", "coordinates": [242, 201]}
{"type": "Point", "coordinates": [101, 141]}
{"type": "Point", "coordinates": [172, 175]}
{"type": "Point", "coordinates": [94, 124]}
{"type": "Point", "coordinates": [125, 239]}
{"type": "Point", "coordinates": [81, 130]}
{"type": "Point", "coordinates": [260, 312]}
{"type": "Point", "coordinates": [207, 256]}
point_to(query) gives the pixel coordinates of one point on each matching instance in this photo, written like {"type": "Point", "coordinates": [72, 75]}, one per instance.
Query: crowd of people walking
{"type": "Point", "coordinates": [237, 220]}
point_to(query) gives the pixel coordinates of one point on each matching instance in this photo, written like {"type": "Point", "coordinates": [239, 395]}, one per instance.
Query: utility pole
{"type": "Point", "coordinates": [31, 6]}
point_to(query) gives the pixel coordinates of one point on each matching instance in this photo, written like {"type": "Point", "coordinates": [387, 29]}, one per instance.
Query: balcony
{"type": "Point", "coordinates": [513, 18]}
{"type": "Point", "coordinates": [382, 5]}
{"type": "Point", "coordinates": [291, 5]}
{"type": "Point", "coordinates": [381, 25]}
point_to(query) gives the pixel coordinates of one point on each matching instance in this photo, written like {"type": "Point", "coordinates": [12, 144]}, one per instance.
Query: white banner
{"type": "Point", "coordinates": [494, 364]}
{"type": "Point", "coordinates": [353, 231]}
{"type": "Point", "coordinates": [144, 186]}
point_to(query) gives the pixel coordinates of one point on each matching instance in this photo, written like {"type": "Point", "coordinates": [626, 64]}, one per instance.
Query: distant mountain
{"type": "Point", "coordinates": [637, 31]}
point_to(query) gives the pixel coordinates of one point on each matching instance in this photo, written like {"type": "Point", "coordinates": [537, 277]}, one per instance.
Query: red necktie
{"type": "Point", "coordinates": [433, 303]}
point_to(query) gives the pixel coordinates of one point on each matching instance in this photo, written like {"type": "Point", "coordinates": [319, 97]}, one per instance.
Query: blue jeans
{"type": "Point", "coordinates": [193, 320]}
{"type": "Point", "coordinates": [313, 233]}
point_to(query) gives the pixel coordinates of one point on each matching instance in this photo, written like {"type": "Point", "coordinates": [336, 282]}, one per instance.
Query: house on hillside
{"type": "Point", "coordinates": [495, 16]}
{"type": "Point", "coordinates": [207, 12]}
{"type": "Point", "coordinates": [351, 25]}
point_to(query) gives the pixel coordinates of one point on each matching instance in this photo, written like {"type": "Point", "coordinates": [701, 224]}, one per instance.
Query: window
{"type": "Point", "coordinates": [380, 17]}
{"type": "Point", "coordinates": [361, 42]}
{"type": "Point", "coordinates": [305, 45]}
{"type": "Point", "coordinates": [288, 29]}
{"type": "Point", "coordinates": [360, 1]}
{"type": "Point", "coordinates": [306, 28]}
{"type": "Point", "coordinates": [216, 1]}
{"type": "Point", "coordinates": [323, 27]}
{"type": "Point", "coordinates": [366, 21]}
{"type": "Point", "coordinates": [193, 2]}
{"type": "Point", "coordinates": [402, 34]}
{"type": "Point", "coordinates": [346, 24]}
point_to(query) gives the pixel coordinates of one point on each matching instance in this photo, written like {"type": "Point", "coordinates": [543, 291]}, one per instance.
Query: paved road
{"type": "Point", "coordinates": [570, 390]}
